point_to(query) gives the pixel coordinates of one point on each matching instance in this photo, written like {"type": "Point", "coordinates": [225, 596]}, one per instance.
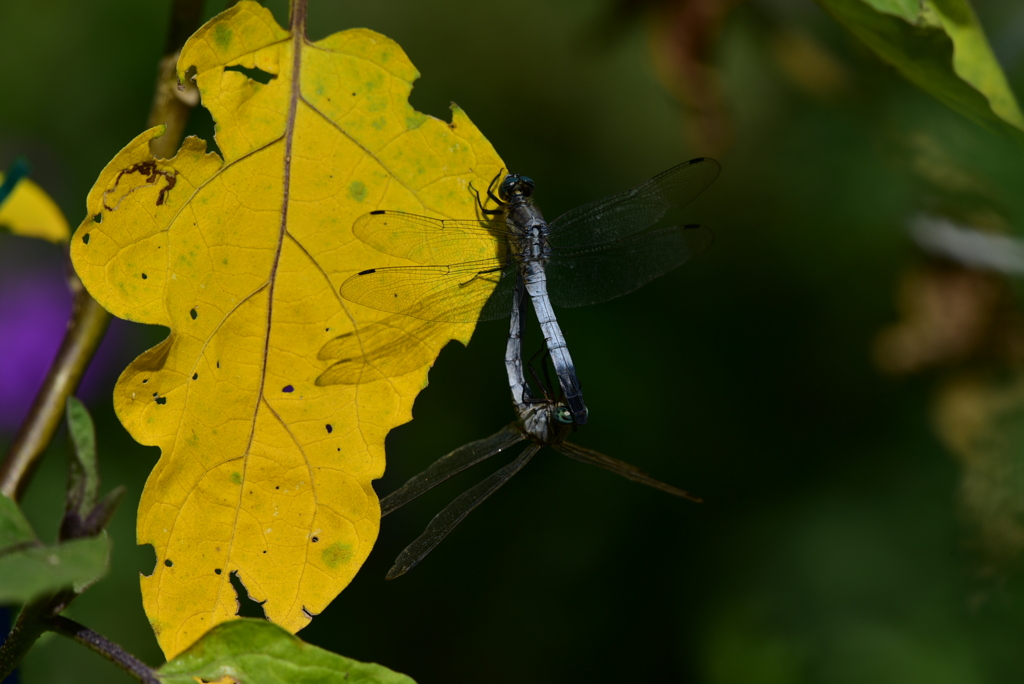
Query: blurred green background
{"type": "Point", "coordinates": [838, 542]}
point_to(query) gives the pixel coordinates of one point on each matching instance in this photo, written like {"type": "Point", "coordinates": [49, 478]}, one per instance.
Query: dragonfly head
{"type": "Point", "coordinates": [515, 185]}
{"type": "Point", "coordinates": [563, 415]}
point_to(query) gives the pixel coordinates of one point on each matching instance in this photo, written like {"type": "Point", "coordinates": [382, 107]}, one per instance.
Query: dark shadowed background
{"type": "Point", "coordinates": [838, 542]}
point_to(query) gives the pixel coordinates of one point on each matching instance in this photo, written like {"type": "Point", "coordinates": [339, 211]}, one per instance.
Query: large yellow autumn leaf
{"type": "Point", "coordinates": [263, 472]}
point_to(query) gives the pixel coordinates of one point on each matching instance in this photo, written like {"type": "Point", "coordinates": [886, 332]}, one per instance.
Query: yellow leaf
{"type": "Point", "coordinates": [263, 472]}
{"type": "Point", "coordinates": [30, 212]}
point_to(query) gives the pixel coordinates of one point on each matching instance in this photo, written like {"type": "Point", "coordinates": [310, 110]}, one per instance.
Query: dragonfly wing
{"type": "Point", "coordinates": [428, 240]}
{"type": "Point", "coordinates": [388, 348]}
{"type": "Point", "coordinates": [455, 512]}
{"type": "Point", "coordinates": [629, 212]}
{"type": "Point", "coordinates": [626, 470]}
{"type": "Point", "coordinates": [465, 456]}
{"type": "Point", "coordinates": [453, 294]}
{"type": "Point", "coordinates": [589, 275]}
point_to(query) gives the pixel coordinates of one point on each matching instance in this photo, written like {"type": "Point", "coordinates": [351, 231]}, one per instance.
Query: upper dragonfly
{"type": "Point", "coordinates": [590, 254]}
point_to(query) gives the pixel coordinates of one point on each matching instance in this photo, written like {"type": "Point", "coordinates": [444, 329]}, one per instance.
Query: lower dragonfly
{"type": "Point", "coordinates": [591, 254]}
{"type": "Point", "coordinates": [542, 421]}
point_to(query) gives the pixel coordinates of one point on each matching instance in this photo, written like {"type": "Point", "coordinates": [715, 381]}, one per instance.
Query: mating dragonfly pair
{"type": "Point", "coordinates": [591, 254]}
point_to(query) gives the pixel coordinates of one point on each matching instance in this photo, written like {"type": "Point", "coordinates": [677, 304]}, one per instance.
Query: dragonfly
{"type": "Point", "coordinates": [542, 421]}
{"type": "Point", "coordinates": [588, 255]}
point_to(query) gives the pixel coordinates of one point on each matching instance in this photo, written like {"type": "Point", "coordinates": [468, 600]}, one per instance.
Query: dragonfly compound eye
{"type": "Point", "coordinates": [526, 186]}
{"type": "Point", "coordinates": [563, 415]}
{"type": "Point", "coordinates": [507, 186]}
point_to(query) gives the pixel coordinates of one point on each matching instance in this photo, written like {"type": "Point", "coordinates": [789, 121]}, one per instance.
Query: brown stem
{"type": "Point", "coordinates": [106, 648]}
{"type": "Point", "coordinates": [298, 20]}
{"type": "Point", "coordinates": [30, 625]}
{"type": "Point", "coordinates": [173, 101]}
{"type": "Point", "coordinates": [88, 319]}
{"type": "Point", "coordinates": [85, 331]}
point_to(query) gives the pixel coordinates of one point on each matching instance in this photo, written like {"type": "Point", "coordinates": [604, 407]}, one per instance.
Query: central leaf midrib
{"type": "Point", "coordinates": [298, 30]}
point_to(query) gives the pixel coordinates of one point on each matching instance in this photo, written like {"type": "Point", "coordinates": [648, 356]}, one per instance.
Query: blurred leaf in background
{"type": "Point", "coordinates": [830, 546]}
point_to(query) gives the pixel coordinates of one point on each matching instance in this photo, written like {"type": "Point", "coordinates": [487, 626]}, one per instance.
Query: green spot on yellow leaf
{"type": "Point", "coordinates": [337, 554]}
{"type": "Point", "coordinates": [415, 120]}
{"type": "Point", "coordinates": [357, 190]}
{"type": "Point", "coordinates": [236, 478]}
{"type": "Point", "coordinates": [222, 35]}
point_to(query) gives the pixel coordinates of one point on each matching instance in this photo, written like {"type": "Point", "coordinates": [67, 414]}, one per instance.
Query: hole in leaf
{"type": "Point", "coordinates": [330, 429]}
{"type": "Point", "coordinates": [147, 566]}
{"type": "Point", "coordinates": [98, 218]}
{"type": "Point", "coordinates": [287, 388]}
{"type": "Point", "coordinates": [218, 571]}
{"type": "Point", "coordinates": [246, 606]}
{"type": "Point", "coordinates": [161, 400]}
{"type": "Point", "coordinates": [218, 364]}
{"type": "Point", "coordinates": [144, 276]}
{"type": "Point", "coordinates": [195, 376]}
{"type": "Point", "coordinates": [193, 314]}
{"type": "Point", "coordinates": [145, 380]}
{"type": "Point", "coordinates": [85, 238]}
{"type": "Point", "coordinates": [259, 75]}
{"type": "Point", "coordinates": [169, 563]}
{"type": "Point", "coordinates": [316, 539]}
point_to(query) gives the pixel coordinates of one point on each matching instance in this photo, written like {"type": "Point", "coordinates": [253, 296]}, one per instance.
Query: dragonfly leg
{"type": "Point", "coordinates": [490, 194]}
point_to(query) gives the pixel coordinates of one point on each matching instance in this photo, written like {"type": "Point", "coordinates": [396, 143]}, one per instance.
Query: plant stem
{"type": "Point", "coordinates": [30, 625]}
{"type": "Point", "coordinates": [298, 20]}
{"type": "Point", "coordinates": [85, 331]}
{"type": "Point", "coordinates": [173, 101]}
{"type": "Point", "coordinates": [106, 648]}
{"type": "Point", "coordinates": [88, 319]}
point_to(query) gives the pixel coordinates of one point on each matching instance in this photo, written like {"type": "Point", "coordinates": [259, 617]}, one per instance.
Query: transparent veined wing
{"type": "Point", "coordinates": [455, 512]}
{"type": "Point", "coordinates": [589, 275]}
{"type": "Point", "coordinates": [387, 348]}
{"type": "Point", "coordinates": [452, 463]}
{"type": "Point", "coordinates": [428, 240]}
{"type": "Point", "coordinates": [629, 212]}
{"type": "Point", "coordinates": [456, 293]}
{"type": "Point", "coordinates": [626, 470]}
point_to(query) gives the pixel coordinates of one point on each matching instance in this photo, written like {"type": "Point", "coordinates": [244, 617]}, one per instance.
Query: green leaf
{"type": "Point", "coordinates": [256, 651]}
{"type": "Point", "coordinates": [32, 571]}
{"type": "Point", "coordinates": [939, 46]}
{"type": "Point", "coordinates": [14, 528]}
{"type": "Point", "coordinates": [83, 472]}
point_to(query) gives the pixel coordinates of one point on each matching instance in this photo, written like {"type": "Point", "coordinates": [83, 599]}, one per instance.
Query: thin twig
{"type": "Point", "coordinates": [88, 319]}
{"type": "Point", "coordinates": [85, 332]}
{"type": "Point", "coordinates": [105, 647]}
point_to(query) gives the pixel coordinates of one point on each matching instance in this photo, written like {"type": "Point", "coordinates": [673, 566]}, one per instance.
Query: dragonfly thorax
{"type": "Point", "coordinates": [545, 422]}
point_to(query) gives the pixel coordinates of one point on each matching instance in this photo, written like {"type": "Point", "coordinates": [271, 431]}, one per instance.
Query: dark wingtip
{"type": "Point", "coordinates": [367, 271]}
{"type": "Point", "coordinates": [394, 573]}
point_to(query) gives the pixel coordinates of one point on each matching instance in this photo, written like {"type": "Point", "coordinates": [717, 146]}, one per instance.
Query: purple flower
{"type": "Point", "coordinates": [35, 305]}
